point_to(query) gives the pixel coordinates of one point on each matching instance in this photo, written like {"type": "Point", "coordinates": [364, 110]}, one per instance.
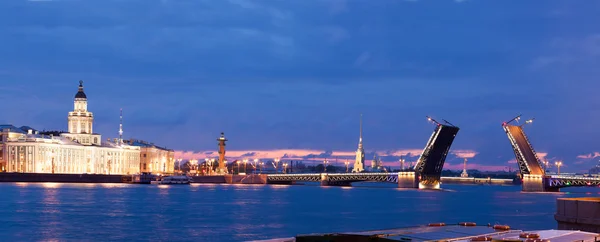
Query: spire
{"type": "Point", "coordinates": [360, 139]}
{"type": "Point", "coordinates": [121, 128]}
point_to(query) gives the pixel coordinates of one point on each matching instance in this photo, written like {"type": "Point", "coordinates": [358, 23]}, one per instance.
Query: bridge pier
{"type": "Point", "coordinates": [326, 181]}
{"type": "Point", "coordinates": [537, 183]}
{"type": "Point", "coordinates": [407, 180]}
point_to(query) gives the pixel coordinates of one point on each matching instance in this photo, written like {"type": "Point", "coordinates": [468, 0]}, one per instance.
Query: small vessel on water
{"type": "Point", "coordinates": [142, 178]}
{"type": "Point", "coordinates": [173, 180]}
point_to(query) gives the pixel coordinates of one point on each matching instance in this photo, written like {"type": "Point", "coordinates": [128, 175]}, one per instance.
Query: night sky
{"type": "Point", "coordinates": [292, 77]}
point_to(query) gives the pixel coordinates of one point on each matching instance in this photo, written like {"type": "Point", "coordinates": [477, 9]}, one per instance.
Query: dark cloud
{"type": "Point", "coordinates": [296, 74]}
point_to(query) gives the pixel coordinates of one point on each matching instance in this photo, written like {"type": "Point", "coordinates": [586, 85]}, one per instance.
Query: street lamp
{"type": "Point", "coordinates": [52, 158]}
{"type": "Point", "coordinates": [347, 163]}
{"type": "Point", "coordinates": [238, 165]}
{"type": "Point", "coordinates": [179, 163]}
{"type": "Point", "coordinates": [261, 166]}
{"type": "Point", "coordinates": [245, 165]}
{"type": "Point", "coordinates": [285, 167]}
{"type": "Point", "coordinates": [558, 165]}
{"type": "Point", "coordinates": [276, 162]}
{"type": "Point", "coordinates": [212, 163]}
{"type": "Point", "coordinates": [194, 166]}
{"type": "Point", "coordinates": [255, 164]}
{"type": "Point", "coordinates": [108, 164]}
{"type": "Point", "coordinates": [546, 165]}
{"type": "Point", "coordinates": [402, 164]}
{"type": "Point", "coordinates": [325, 166]}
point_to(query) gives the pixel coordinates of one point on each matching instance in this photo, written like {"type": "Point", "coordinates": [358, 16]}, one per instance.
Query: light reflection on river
{"type": "Point", "coordinates": [117, 212]}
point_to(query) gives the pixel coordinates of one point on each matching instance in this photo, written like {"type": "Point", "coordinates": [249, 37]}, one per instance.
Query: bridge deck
{"type": "Point", "coordinates": [432, 159]}
{"type": "Point", "coordinates": [572, 181]}
{"type": "Point", "coordinates": [524, 152]}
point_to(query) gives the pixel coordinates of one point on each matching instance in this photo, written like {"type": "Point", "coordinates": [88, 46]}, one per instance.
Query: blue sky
{"type": "Point", "coordinates": [295, 75]}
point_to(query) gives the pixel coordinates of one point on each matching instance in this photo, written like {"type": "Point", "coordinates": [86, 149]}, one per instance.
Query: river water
{"type": "Point", "coordinates": [119, 212]}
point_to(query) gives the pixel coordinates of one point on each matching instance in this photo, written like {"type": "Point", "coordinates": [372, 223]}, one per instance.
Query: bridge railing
{"type": "Point", "coordinates": [576, 177]}
{"type": "Point", "coordinates": [295, 174]}
{"type": "Point", "coordinates": [336, 174]}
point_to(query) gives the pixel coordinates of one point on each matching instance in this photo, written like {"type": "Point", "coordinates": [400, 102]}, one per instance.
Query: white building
{"type": "Point", "coordinates": [78, 151]}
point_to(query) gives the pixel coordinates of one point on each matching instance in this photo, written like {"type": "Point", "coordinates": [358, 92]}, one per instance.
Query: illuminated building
{"type": "Point", "coordinates": [77, 151]}
{"type": "Point", "coordinates": [464, 172]}
{"type": "Point", "coordinates": [154, 159]}
{"type": "Point", "coordinates": [359, 163]}
{"type": "Point", "coordinates": [222, 169]}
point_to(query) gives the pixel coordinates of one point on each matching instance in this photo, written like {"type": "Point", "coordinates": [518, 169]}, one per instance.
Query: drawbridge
{"type": "Point", "coordinates": [427, 172]}
{"type": "Point", "coordinates": [527, 159]}
{"type": "Point", "coordinates": [431, 162]}
{"type": "Point", "coordinates": [534, 175]}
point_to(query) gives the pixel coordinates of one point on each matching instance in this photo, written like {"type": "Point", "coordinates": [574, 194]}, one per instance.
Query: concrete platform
{"type": "Point", "coordinates": [578, 213]}
{"type": "Point", "coordinates": [445, 233]}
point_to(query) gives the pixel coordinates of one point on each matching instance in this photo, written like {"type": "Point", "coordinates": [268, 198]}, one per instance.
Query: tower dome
{"type": "Point", "coordinates": [80, 93]}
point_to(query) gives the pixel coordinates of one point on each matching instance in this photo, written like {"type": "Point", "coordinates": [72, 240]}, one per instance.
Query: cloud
{"type": "Point", "coordinates": [542, 155]}
{"type": "Point", "coordinates": [404, 152]}
{"type": "Point", "coordinates": [362, 58]}
{"type": "Point", "coordinates": [389, 158]}
{"type": "Point", "coordinates": [589, 156]}
{"type": "Point", "coordinates": [567, 51]}
{"type": "Point", "coordinates": [464, 153]}
{"type": "Point", "coordinates": [294, 154]}
{"type": "Point", "coordinates": [474, 166]}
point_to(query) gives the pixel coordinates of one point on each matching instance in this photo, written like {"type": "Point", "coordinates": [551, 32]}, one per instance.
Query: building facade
{"type": "Point", "coordinates": [77, 151]}
{"type": "Point", "coordinates": [154, 159]}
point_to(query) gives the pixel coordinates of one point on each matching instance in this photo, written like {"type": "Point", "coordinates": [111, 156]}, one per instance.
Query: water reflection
{"type": "Point", "coordinates": [214, 212]}
{"type": "Point", "coordinates": [51, 185]}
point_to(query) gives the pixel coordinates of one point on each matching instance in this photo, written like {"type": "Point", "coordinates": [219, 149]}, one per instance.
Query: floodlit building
{"type": "Point", "coordinates": [359, 162]}
{"type": "Point", "coordinates": [77, 151]}
{"type": "Point", "coordinates": [153, 158]}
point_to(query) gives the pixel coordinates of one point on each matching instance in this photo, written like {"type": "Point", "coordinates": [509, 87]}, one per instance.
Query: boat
{"type": "Point", "coordinates": [173, 180]}
{"type": "Point", "coordinates": [142, 178]}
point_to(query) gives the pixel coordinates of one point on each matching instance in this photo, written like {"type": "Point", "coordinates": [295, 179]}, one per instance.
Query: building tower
{"type": "Point", "coordinates": [464, 173]}
{"type": "Point", "coordinates": [222, 169]}
{"type": "Point", "coordinates": [375, 163]}
{"type": "Point", "coordinates": [121, 128]}
{"type": "Point", "coordinates": [80, 120]}
{"type": "Point", "coordinates": [360, 153]}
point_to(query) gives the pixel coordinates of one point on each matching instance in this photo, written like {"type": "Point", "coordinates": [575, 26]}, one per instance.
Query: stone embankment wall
{"type": "Point", "coordinates": [62, 178]}
{"type": "Point", "coordinates": [578, 214]}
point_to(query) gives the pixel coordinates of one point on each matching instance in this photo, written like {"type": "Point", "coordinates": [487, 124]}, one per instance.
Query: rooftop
{"type": "Point", "coordinates": [446, 233]}
{"type": "Point", "coordinates": [143, 143]}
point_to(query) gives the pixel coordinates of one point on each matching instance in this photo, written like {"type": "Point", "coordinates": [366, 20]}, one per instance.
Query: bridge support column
{"type": "Point", "coordinates": [324, 179]}
{"type": "Point", "coordinates": [536, 183]}
{"type": "Point", "coordinates": [407, 180]}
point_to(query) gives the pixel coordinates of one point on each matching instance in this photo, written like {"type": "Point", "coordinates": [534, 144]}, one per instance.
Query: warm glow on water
{"type": "Point", "coordinates": [51, 185]}
{"type": "Point", "coordinates": [215, 212]}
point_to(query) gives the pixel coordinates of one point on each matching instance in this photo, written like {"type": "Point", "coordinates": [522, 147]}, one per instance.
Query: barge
{"type": "Point", "coordinates": [461, 232]}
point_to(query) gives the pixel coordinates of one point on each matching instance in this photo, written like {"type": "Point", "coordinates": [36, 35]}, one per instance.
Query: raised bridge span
{"type": "Point", "coordinates": [427, 171]}
{"type": "Point", "coordinates": [431, 162]}
{"type": "Point", "coordinates": [525, 155]}
{"type": "Point", "coordinates": [534, 175]}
